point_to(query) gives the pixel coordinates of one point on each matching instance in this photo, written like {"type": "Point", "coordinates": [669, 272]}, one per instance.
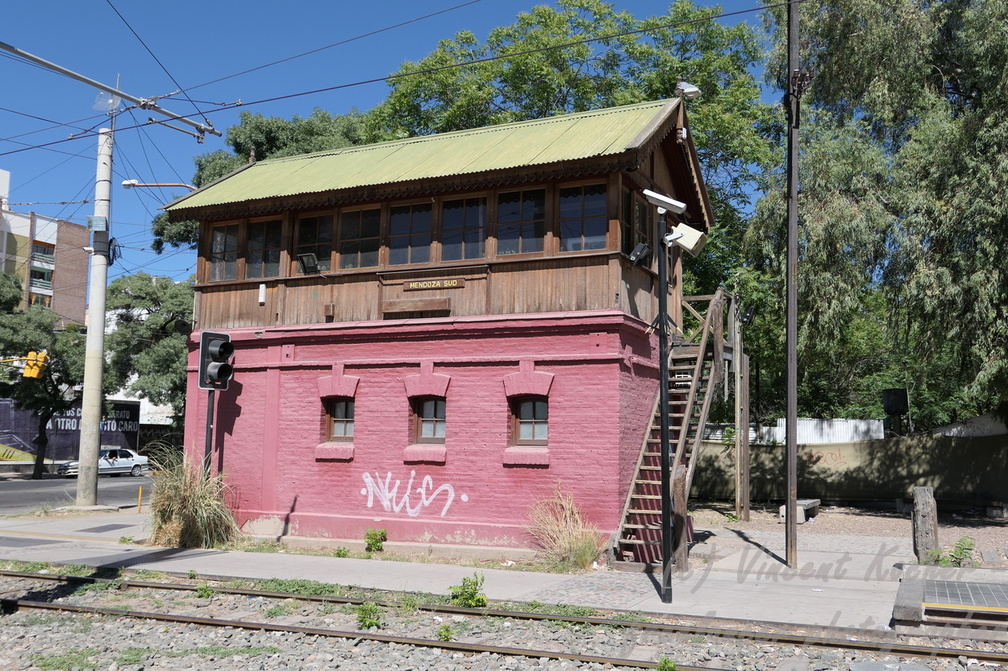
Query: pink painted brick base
{"type": "Point", "coordinates": [598, 368]}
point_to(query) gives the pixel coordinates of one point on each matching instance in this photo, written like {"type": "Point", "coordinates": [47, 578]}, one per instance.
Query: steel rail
{"type": "Point", "coordinates": [770, 637]}
{"type": "Point", "coordinates": [10, 605]}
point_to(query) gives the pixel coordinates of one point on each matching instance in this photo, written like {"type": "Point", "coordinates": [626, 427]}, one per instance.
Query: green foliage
{"type": "Point", "coordinates": [125, 540]}
{"type": "Point", "coordinates": [369, 615]}
{"type": "Point", "coordinates": [470, 593]}
{"type": "Point", "coordinates": [341, 552]}
{"type": "Point", "coordinates": [560, 609]}
{"type": "Point", "coordinates": [204, 591]}
{"type": "Point", "coordinates": [188, 508]}
{"type": "Point", "coordinates": [76, 570]}
{"type": "Point", "coordinates": [665, 664]}
{"type": "Point", "coordinates": [301, 586]}
{"type": "Point", "coordinates": [281, 609]}
{"type": "Point", "coordinates": [444, 633]}
{"type": "Point", "coordinates": [81, 659]}
{"type": "Point", "coordinates": [960, 555]}
{"type": "Point", "coordinates": [149, 352]}
{"type": "Point", "coordinates": [374, 540]}
{"type": "Point", "coordinates": [192, 574]}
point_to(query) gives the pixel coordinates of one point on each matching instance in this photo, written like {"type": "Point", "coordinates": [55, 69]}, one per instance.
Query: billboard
{"type": "Point", "coordinates": [120, 427]}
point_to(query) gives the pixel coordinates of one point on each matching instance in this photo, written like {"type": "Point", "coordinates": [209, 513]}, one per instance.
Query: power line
{"type": "Point", "coordinates": [425, 71]}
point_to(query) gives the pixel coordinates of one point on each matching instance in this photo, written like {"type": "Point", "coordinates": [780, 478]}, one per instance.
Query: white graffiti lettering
{"type": "Point", "coordinates": [387, 494]}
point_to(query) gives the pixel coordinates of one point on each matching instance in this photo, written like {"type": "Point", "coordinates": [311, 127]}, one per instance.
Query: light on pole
{"type": "Point", "coordinates": [134, 183]}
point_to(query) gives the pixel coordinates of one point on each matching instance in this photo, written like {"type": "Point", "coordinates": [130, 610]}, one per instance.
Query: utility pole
{"type": "Point", "coordinates": [797, 81]}
{"type": "Point", "coordinates": [94, 353]}
{"type": "Point", "coordinates": [94, 357]}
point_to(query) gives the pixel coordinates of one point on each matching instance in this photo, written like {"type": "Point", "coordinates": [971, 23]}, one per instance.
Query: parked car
{"type": "Point", "coordinates": [110, 462]}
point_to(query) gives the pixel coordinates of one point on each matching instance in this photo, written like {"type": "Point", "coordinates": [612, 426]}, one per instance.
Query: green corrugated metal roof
{"type": "Point", "coordinates": [480, 150]}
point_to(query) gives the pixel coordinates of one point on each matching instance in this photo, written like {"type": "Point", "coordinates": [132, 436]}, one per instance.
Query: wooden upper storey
{"type": "Point", "coordinates": [527, 217]}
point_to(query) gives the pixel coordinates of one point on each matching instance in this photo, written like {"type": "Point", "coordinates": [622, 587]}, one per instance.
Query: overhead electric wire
{"type": "Point", "coordinates": [442, 68]}
{"type": "Point", "coordinates": [158, 61]}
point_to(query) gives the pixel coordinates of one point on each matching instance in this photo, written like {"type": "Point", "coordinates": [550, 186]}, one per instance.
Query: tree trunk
{"type": "Point", "coordinates": [41, 443]}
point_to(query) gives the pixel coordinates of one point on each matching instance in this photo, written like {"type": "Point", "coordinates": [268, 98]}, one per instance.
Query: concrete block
{"type": "Point", "coordinates": [807, 508]}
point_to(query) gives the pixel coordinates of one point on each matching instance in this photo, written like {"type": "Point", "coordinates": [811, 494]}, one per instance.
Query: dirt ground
{"type": "Point", "coordinates": [990, 534]}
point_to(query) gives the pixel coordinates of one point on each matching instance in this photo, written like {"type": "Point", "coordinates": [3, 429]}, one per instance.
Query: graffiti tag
{"type": "Point", "coordinates": [387, 494]}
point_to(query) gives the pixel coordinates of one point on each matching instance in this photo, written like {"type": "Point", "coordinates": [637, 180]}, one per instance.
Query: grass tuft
{"type": "Point", "coordinates": [557, 526]}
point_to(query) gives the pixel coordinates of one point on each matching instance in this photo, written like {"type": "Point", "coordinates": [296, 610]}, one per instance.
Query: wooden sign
{"type": "Point", "coordinates": [443, 283]}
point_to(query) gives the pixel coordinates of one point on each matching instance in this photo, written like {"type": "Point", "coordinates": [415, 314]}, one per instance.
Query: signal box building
{"type": "Point", "coordinates": [430, 335]}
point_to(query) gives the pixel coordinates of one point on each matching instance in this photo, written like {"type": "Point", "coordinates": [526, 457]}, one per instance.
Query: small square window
{"type": "Point", "coordinates": [429, 419]}
{"type": "Point", "coordinates": [340, 419]}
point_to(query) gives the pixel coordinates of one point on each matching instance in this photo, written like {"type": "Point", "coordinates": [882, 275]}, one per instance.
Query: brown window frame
{"type": "Point", "coordinates": [418, 408]}
{"type": "Point", "coordinates": [323, 250]}
{"type": "Point", "coordinates": [516, 404]}
{"type": "Point", "coordinates": [260, 269]}
{"type": "Point", "coordinates": [218, 259]}
{"type": "Point", "coordinates": [419, 242]}
{"type": "Point", "coordinates": [467, 226]}
{"type": "Point", "coordinates": [339, 405]}
{"type": "Point", "coordinates": [343, 243]}
{"type": "Point", "coordinates": [536, 228]}
{"type": "Point", "coordinates": [573, 228]}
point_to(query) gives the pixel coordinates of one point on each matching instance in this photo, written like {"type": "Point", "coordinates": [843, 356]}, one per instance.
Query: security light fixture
{"type": "Point", "coordinates": [664, 203]}
{"type": "Point", "coordinates": [640, 254]}
{"type": "Point", "coordinates": [308, 264]}
{"type": "Point", "coordinates": [748, 316]}
{"type": "Point", "coordinates": [687, 90]}
{"type": "Point", "coordinates": [131, 183]}
{"type": "Point", "coordinates": [686, 237]}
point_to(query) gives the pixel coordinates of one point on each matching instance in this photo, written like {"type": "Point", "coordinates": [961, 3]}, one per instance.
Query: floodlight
{"type": "Point", "coordinates": [308, 263]}
{"type": "Point", "coordinates": [640, 254]}
{"type": "Point", "coordinates": [664, 203]}
{"type": "Point", "coordinates": [688, 91]}
{"type": "Point", "coordinates": [686, 237]}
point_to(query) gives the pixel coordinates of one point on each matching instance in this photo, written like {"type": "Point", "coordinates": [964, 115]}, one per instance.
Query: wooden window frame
{"type": "Point", "coordinates": [341, 239]}
{"type": "Point", "coordinates": [325, 261]}
{"type": "Point", "coordinates": [515, 404]}
{"type": "Point", "coordinates": [466, 227]}
{"type": "Point", "coordinates": [579, 223]}
{"type": "Point", "coordinates": [418, 411]}
{"type": "Point", "coordinates": [521, 223]}
{"type": "Point", "coordinates": [262, 263]}
{"type": "Point", "coordinates": [334, 406]}
{"type": "Point", "coordinates": [216, 260]}
{"type": "Point", "coordinates": [412, 250]}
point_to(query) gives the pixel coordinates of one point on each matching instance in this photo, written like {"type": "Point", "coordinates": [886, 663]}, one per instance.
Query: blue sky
{"type": "Point", "coordinates": [196, 43]}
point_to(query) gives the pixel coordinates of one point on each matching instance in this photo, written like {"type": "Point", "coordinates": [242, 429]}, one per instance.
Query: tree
{"type": "Point", "coordinates": [59, 388]}
{"type": "Point", "coordinates": [258, 137]}
{"type": "Point", "coordinates": [584, 55]}
{"type": "Point", "coordinates": [932, 112]}
{"type": "Point", "coordinates": [148, 348]}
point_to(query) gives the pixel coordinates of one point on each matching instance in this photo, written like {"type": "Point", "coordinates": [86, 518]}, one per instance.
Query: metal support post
{"type": "Point", "coordinates": [663, 402]}
{"type": "Point", "coordinates": [791, 419]}
{"type": "Point", "coordinates": [208, 446]}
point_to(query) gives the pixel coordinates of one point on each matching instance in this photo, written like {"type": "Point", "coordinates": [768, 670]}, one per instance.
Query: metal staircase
{"type": "Point", "coordinates": [696, 367]}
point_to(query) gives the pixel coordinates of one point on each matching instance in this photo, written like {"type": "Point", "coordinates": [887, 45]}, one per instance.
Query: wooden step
{"type": "Point", "coordinates": [648, 527]}
{"type": "Point", "coordinates": [638, 511]}
{"type": "Point", "coordinates": [637, 541]}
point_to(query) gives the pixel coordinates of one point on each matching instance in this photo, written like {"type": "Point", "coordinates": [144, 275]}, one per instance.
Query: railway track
{"type": "Point", "coordinates": [675, 636]}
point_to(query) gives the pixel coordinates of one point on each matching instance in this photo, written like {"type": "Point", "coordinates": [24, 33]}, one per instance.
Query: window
{"type": "Point", "coordinates": [360, 239]}
{"type": "Point", "coordinates": [521, 221]}
{"type": "Point", "coordinates": [263, 258]}
{"type": "Point", "coordinates": [224, 252]}
{"type": "Point", "coordinates": [583, 223]}
{"type": "Point", "coordinates": [410, 234]}
{"type": "Point", "coordinates": [315, 237]}
{"type": "Point", "coordinates": [530, 415]}
{"type": "Point", "coordinates": [429, 419]}
{"type": "Point", "coordinates": [463, 223]}
{"type": "Point", "coordinates": [41, 278]}
{"type": "Point", "coordinates": [340, 412]}
{"type": "Point", "coordinates": [43, 249]}
{"type": "Point", "coordinates": [636, 222]}
{"type": "Point", "coordinates": [41, 299]}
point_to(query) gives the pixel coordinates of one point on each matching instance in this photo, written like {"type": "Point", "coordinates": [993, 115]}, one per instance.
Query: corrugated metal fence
{"type": "Point", "coordinates": [810, 431]}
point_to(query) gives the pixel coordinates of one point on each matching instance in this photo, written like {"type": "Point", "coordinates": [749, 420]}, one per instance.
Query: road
{"type": "Point", "coordinates": [19, 496]}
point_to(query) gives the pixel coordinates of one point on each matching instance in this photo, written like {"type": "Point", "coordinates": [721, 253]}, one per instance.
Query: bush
{"type": "Point", "coordinates": [374, 540]}
{"type": "Point", "coordinates": [470, 593]}
{"type": "Point", "coordinates": [558, 528]}
{"type": "Point", "coordinates": [188, 508]}
{"type": "Point", "coordinates": [369, 615]}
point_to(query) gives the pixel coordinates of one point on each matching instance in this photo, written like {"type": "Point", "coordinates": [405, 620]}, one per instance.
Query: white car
{"type": "Point", "coordinates": [110, 462]}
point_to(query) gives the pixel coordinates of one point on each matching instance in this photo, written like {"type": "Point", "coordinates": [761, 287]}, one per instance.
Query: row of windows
{"type": "Point", "coordinates": [355, 238]}
{"type": "Point", "coordinates": [529, 419]}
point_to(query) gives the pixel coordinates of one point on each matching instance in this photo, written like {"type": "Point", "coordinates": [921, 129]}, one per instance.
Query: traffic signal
{"type": "Point", "coordinates": [215, 351]}
{"type": "Point", "coordinates": [35, 364]}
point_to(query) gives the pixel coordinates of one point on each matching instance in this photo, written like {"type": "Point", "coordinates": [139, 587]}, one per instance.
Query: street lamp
{"type": "Point", "coordinates": [131, 183]}
{"type": "Point", "coordinates": [692, 241]}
